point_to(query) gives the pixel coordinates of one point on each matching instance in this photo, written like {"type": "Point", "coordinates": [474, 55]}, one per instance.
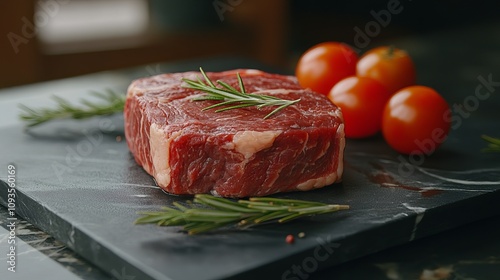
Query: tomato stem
{"type": "Point", "coordinates": [390, 51]}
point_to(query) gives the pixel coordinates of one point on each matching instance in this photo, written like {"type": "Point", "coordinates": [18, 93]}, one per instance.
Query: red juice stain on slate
{"type": "Point", "coordinates": [384, 179]}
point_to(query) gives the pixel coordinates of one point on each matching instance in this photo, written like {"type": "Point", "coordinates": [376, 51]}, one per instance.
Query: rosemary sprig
{"type": "Point", "coordinates": [113, 103]}
{"type": "Point", "coordinates": [493, 144]}
{"type": "Point", "coordinates": [232, 98]}
{"type": "Point", "coordinates": [216, 212]}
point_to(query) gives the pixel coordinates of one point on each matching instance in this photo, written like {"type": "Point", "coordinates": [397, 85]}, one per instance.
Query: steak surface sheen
{"type": "Point", "coordinates": [234, 153]}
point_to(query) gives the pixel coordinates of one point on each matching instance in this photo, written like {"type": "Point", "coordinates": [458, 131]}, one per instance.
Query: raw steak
{"type": "Point", "coordinates": [234, 153]}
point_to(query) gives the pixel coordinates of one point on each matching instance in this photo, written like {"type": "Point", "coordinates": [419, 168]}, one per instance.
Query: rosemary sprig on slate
{"type": "Point", "coordinates": [112, 103]}
{"type": "Point", "coordinates": [215, 212]}
{"type": "Point", "coordinates": [231, 98]}
{"type": "Point", "coordinates": [493, 144]}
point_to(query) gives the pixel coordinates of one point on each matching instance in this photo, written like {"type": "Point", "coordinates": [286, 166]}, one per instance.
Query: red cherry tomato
{"type": "Point", "coordinates": [392, 67]}
{"type": "Point", "coordinates": [323, 65]}
{"type": "Point", "coordinates": [362, 101]}
{"type": "Point", "coordinates": [414, 120]}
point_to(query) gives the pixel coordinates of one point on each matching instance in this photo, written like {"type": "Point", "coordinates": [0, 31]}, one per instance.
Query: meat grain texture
{"type": "Point", "coordinates": [234, 153]}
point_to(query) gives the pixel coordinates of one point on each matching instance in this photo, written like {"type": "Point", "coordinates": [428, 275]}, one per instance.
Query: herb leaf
{"type": "Point", "coordinates": [111, 103]}
{"type": "Point", "coordinates": [493, 144]}
{"type": "Point", "coordinates": [231, 98]}
{"type": "Point", "coordinates": [215, 212]}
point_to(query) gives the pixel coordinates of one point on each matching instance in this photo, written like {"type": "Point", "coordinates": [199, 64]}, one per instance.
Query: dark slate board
{"type": "Point", "coordinates": [87, 193]}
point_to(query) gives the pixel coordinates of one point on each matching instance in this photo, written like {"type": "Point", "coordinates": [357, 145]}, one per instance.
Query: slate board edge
{"type": "Point", "coordinates": [427, 228]}
{"type": "Point", "coordinates": [61, 234]}
{"type": "Point", "coordinates": [108, 258]}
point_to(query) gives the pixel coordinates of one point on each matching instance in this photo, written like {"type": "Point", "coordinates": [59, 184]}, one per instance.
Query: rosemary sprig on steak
{"type": "Point", "coordinates": [112, 103]}
{"type": "Point", "coordinates": [232, 98]}
{"type": "Point", "coordinates": [215, 212]}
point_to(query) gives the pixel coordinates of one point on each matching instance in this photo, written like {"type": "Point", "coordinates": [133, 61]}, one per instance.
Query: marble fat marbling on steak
{"type": "Point", "coordinates": [235, 153]}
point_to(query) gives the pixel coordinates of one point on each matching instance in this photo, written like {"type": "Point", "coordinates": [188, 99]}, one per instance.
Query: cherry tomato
{"type": "Point", "coordinates": [414, 120]}
{"type": "Point", "coordinates": [390, 66]}
{"type": "Point", "coordinates": [323, 65]}
{"type": "Point", "coordinates": [362, 101]}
